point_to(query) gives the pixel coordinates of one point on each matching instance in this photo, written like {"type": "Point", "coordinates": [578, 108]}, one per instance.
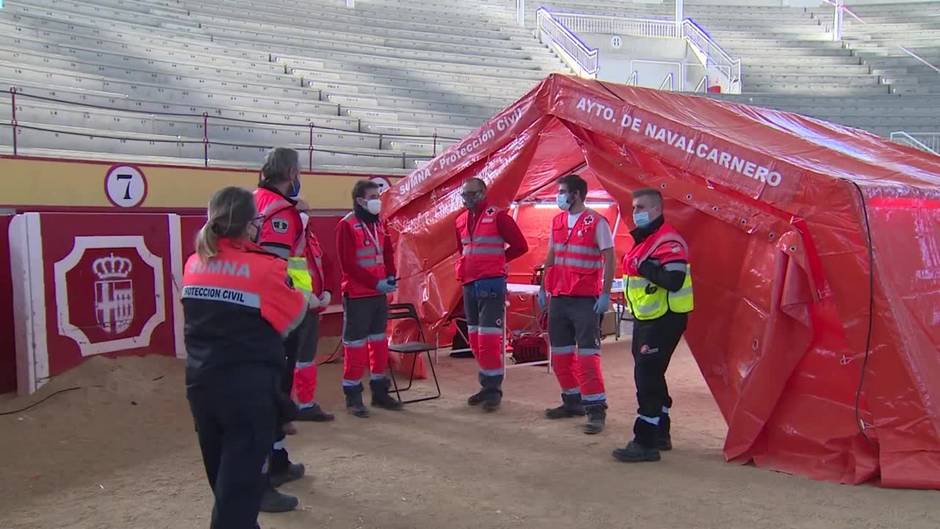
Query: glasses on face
{"type": "Point", "coordinates": [469, 194]}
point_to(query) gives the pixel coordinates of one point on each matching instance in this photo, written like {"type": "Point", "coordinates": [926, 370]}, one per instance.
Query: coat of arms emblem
{"type": "Point", "coordinates": [114, 294]}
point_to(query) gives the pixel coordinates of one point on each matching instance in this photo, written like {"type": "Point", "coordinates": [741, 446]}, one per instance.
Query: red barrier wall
{"type": "Point", "coordinates": [7, 341]}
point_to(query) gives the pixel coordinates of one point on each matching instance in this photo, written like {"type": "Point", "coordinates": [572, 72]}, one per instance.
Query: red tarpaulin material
{"type": "Point", "coordinates": [815, 250]}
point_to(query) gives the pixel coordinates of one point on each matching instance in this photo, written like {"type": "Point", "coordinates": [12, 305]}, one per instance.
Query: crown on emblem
{"type": "Point", "coordinates": [112, 267]}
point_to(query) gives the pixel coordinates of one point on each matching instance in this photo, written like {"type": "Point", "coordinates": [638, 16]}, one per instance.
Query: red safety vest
{"type": "Point", "coordinates": [656, 246]}
{"type": "Point", "coordinates": [484, 250]}
{"type": "Point", "coordinates": [281, 222]}
{"type": "Point", "coordinates": [370, 254]}
{"type": "Point", "coordinates": [244, 276]}
{"type": "Point", "coordinates": [578, 262]}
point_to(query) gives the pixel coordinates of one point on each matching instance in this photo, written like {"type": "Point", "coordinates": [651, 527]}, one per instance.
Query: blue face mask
{"type": "Point", "coordinates": [294, 189]}
{"type": "Point", "coordinates": [562, 201]}
{"type": "Point", "coordinates": [642, 219]}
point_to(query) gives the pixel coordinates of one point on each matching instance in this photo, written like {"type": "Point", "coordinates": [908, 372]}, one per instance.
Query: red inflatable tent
{"type": "Point", "coordinates": [815, 251]}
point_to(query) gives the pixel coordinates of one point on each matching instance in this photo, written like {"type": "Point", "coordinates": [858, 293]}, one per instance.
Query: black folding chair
{"type": "Point", "coordinates": [407, 311]}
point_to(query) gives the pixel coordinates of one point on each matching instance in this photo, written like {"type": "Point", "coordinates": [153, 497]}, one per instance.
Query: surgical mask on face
{"type": "Point", "coordinates": [641, 219]}
{"type": "Point", "coordinates": [562, 201]}
{"type": "Point", "coordinates": [374, 206]}
{"type": "Point", "coordinates": [294, 189]}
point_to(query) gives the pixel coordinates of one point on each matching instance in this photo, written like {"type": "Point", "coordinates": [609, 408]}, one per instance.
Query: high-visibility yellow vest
{"type": "Point", "coordinates": [649, 301]}
{"type": "Point", "coordinates": [299, 274]}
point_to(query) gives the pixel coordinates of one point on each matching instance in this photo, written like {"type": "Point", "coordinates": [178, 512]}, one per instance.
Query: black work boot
{"type": "Point", "coordinates": [477, 398]}
{"type": "Point", "coordinates": [314, 413]}
{"type": "Point", "coordinates": [634, 452]}
{"type": "Point", "coordinates": [664, 441]}
{"type": "Point", "coordinates": [274, 501]}
{"type": "Point", "coordinates": [643, 446]}
{"type": "Point", "coordinates": [492, 391]}
{"type": "Point", "coordinates": [380, 396]}
{"type": "Point", "coordinates": [570, 407]}
{"type": "Point", "coordinates": [281, 470]}
{"type": "Point", "coordinates": [597, 416]}
{"type": "Point", "coordinates": [354, 403]}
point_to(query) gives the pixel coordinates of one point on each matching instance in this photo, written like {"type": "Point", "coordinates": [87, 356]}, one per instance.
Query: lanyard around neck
{"type": "Point", "coordinates": [373, 234]}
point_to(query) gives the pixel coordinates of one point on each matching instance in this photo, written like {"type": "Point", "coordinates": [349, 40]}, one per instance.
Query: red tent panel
{"type": "Point", "coordinates": [815, 255]}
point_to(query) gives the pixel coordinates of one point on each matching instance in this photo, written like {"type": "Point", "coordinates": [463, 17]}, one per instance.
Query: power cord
{"type": "Point", "coordinates": [871, 314]}
{"type": "Point", "coordinates": [37, 403]}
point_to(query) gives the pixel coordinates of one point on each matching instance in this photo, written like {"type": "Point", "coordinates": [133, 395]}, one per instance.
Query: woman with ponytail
{"type": "Point", "coordinates": [238, 305]}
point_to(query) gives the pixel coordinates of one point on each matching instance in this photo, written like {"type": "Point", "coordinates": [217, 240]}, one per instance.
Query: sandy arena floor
{"type": "Point", "coordinates": [121, 453]}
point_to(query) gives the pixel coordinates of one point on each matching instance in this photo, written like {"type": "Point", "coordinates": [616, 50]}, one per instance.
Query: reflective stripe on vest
{"type": "Point", "coordinates": [649, 301]}
{"type": "Point", "coordinates": [484, 250]}
{"type": "Point", "coordinates": [370, 240]}
{"type": "Point", "coordinates": [578, 260]}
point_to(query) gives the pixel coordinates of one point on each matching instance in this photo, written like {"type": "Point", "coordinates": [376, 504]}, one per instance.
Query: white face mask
{"type": "Point", "coordinates": [374, 206]}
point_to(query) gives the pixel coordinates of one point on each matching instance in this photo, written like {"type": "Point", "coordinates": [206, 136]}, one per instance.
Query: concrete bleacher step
{"type": "Point", "coordinates": [79, 142]}
{"type": "Point", "coordinates": [409, 104]}
{"type": "Point", "coordinates": [378, 46]}
{"type": "Point", "coordinates": [394, 19]}
{"type": "Point", "coordinates": [805, 88]}
{"type": "Point", "coordinates": [424, 70]}
{"type": "Point", "coordinates": [450, 97]}
{"type": "Point", "coordinates": [120, 123]}
{"type": "Point", "coordinates": [808, 69]}
{"type": "Point", "coordinates": [70, 97]}
{"type": "Point", "coordinates": [227, 33]}
{"type": "Point", "coordinates": [142, 69]}
{"type": "Point", "coordinates": [359, 29]}
{"type": "Point", "coordinates": [426, 92]}
{"type": "Point", "coordinates": [472, 82]}
{"type": "Point", "coordinates": [795, 63]}
{"type": "Point", "coordinates": [851, 80]}
{"type": "Point", "coordinates": [89, 12]}
{"type": "Point", "coordinates": [379, 36]}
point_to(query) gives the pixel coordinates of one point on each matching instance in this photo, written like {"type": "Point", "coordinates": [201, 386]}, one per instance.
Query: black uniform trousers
{"type": "Point", "coordinates": [293, 347]}
{"type": "Point", "coordinates": [235, 418]}
{"type": "Point", "coordinates": [654, 342]}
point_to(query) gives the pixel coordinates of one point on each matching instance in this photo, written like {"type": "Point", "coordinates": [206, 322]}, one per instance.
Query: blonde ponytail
{"type": "Point", "coordinates": [207, 243]}
{"type": "Point", "coordinates": [231, 211]}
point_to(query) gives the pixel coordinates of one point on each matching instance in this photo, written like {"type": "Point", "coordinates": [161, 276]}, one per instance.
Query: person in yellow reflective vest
{"type": "Point", "coordinates": [658, 288]}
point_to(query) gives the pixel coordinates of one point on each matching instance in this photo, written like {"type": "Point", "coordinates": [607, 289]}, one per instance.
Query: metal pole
{"type": "Point", "coordinates": [679, 17]}
{"type": "Point", "coordinates": [310, 152]}
{"type": "Point", "coordinates": [435, 143]}
{"type": "Point", "coordinates": [837, 20]}
{"type": "Point", "coordinates": [13, 116]}
{"type": "Point", "coordinates": [520, 12]}
{"type": "Point", "coordinates": [205, 138]}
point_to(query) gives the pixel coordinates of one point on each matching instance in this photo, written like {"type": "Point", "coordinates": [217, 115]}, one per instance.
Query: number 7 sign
{"type": "Point", "coordinates": [125, 186]}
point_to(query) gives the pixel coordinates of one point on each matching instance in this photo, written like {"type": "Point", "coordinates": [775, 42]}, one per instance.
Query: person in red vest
{"type": "Point", "coordinates": [238, 306]}
{"type": "Point", "coordinates": [487, 239]}
{"type": "Point", "coordinates": [281, 233]}
{"type": "Point", "coordinates": [658, 289]}
{"type": "Point", "coordinates": [367, 260]}
{"type": "Point", "coordinates": [305, 375]}
{"type": "Point", "coordinates": [580, 271]}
